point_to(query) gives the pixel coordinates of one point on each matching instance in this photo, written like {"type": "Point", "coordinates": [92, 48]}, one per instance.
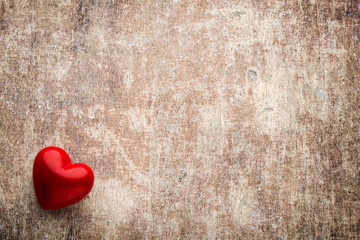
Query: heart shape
{"type": "Point", "coordinates": [58, 182]}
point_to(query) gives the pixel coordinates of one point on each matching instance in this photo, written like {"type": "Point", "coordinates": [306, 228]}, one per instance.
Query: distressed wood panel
{"type": "Point", "coordinates": [200, 119]}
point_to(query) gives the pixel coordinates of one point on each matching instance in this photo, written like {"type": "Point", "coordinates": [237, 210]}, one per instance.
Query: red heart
{"type": "Point", "coordinates": [59, 183]}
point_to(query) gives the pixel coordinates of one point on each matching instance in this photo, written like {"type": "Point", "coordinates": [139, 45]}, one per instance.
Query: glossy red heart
{"type": "Point", "coordinates": [59, 183]}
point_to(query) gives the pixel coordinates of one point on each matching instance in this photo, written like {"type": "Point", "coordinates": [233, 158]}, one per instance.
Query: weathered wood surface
{"type": "Point", "coordinates": [201, 119]}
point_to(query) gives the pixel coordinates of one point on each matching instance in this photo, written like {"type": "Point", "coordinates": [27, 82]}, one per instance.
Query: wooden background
{"type": "Point", "coordinates": [201, 119]}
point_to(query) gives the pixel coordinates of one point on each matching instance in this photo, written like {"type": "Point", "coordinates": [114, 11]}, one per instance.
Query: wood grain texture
{"type": "Point", "coordinates": [201, 119]}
